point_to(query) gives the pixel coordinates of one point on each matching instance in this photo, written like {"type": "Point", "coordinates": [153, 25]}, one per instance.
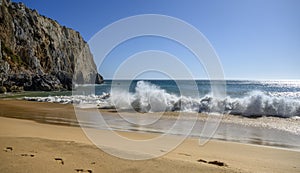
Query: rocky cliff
{"type": "Point", "coordinates": [39, 54]}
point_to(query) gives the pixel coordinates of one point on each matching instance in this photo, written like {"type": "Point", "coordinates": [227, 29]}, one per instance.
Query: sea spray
{"type": "Point", "coordinates": [148, 97]}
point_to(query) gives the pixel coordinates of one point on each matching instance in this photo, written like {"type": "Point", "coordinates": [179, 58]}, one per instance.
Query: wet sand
{"type": "Point", "coordinates": [32, 146]}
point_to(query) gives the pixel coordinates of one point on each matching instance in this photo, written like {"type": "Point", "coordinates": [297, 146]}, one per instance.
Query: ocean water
{"type": "Point", "coordinates": [261, 112]}
{"type": "Point", "coordinates": [246, 98]}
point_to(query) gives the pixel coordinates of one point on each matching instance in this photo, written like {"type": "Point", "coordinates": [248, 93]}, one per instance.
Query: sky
{"type": "Point", "coordinates": [254, 39]}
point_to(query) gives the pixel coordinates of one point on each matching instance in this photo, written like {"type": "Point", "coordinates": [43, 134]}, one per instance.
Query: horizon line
{"type": "Point", "coordinates": [237, 79]}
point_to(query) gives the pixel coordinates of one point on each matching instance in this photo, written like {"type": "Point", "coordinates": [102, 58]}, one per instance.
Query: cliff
{"type": "Point", "coordinates": [39, 54]}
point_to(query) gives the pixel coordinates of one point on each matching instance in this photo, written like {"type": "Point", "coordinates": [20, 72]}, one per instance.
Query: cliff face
{"type": "Point", "coordinates": [39, 54]}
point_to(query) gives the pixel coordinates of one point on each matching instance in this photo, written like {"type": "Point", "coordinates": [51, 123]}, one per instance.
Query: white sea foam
{"type": "Point", "coordinates": [151, 98]}
{"type": "Point", "coordinates": [259, 104]}
{"type": "Point", "coordinates": [76, 99]}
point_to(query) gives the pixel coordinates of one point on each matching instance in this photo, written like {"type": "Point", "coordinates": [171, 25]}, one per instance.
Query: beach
{"type": "Point", "coordinates": [32, 145]}
{"type": "Point", "coordinates": [150, 87]}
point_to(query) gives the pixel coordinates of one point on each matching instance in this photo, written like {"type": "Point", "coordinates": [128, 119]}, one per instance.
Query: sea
{"type": "Point", "coordinates": [246, 98]}
{"type": "Point", "coordinates": [256, 112]}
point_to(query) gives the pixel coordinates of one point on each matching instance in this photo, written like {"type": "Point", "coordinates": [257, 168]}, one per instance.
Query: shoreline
{"type": "Point", "coordinates": [48, 141]}
{"type": "Point", "coordinates": [68, 143]}
{"type": "Point", "coordinates": [262, 131]}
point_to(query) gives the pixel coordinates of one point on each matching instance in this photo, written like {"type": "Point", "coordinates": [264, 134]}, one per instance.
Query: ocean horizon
{"type": "Point", "coordinates": [243, 97]}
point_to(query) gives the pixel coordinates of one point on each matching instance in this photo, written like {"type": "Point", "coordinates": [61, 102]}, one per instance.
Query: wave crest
{"type": "Point", "coordinates": [151, 98]}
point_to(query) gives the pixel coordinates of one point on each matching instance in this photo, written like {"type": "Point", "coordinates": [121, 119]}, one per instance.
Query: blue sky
{"type": "Point", "coordinates": [254, 39]}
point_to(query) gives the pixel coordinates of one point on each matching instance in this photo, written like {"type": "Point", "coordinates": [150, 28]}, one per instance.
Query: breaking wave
{"type": "Point", "coordinates": [151, 98]}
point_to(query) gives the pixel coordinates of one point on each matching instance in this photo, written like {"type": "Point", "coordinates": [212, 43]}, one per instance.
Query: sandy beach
{"type": "Point", "coordinates": [149, 87]}
{"type": "Point", "coordinates": [30, 144]}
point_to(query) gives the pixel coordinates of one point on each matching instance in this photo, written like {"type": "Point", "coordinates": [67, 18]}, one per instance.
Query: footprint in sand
{"type": "Point", "coordinates": [83, 170]}
{"type": "Point", "coordinates": [59, 160]}
{"type": "Point", "coordinates": [79, 170]}
{"type": "Point", "coordinates": [27, 155]}
{"type": "Point", "coordinates": [201, 160]}
{"type": "Point", "coordinates": [218, 163]}
{"type": "Point", "coordinates": [8, 149]}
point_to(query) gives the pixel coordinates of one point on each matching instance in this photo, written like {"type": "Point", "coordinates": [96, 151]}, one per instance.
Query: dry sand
{"type": "Point", "coordinates": [30, 146]}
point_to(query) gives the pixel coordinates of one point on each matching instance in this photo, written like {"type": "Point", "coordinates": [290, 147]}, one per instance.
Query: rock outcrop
{"type": "Point", "coordinates": [39, 54]}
